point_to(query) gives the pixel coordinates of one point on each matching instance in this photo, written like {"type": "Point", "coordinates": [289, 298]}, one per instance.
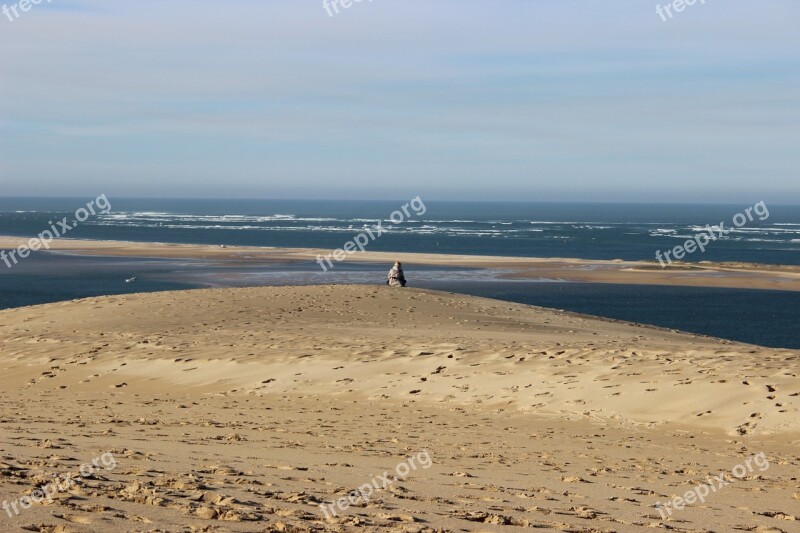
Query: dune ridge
{"type": "Point", "coordinates": [422, 345]}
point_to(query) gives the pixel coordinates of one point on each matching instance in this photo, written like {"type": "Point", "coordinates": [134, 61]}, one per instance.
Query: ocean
{"type": "Point", "coordinates": [589, 231]}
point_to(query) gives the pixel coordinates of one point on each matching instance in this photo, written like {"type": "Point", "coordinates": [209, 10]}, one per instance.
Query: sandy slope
{"type": "Point", "coordinates": [244, 409]}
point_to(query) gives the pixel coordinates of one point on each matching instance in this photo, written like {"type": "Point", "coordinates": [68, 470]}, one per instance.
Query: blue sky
{"type": "Point", "coordinates": [505, 100]}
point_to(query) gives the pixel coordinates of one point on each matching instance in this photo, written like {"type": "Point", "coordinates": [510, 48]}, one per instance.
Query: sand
{"type": "Point", "coordinates": [703, 274]}
{"type": "Point", "coordinates": [245, 409]}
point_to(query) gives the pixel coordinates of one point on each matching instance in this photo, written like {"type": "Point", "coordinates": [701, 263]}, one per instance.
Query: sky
{"type": "Point", "coordinates": [537, 100]}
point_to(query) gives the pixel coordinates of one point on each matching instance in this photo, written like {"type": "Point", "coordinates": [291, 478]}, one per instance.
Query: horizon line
{"type": "Point", "coordinates": [343, 200]}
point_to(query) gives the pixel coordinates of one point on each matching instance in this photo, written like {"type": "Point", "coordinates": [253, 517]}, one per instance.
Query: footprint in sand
{"type": "Point", "coordinates": [75, 519]}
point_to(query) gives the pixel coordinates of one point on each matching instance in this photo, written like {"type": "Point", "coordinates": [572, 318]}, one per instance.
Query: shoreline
{"type": "Point", "coordinates": [704, 274]}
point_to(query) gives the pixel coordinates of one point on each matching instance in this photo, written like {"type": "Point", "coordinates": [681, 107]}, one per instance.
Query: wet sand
{"type": "Point", "coordinates": [722, 275]}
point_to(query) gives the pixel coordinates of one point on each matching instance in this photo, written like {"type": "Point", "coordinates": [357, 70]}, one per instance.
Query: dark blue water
{"type": "Point", "coordinates": [46, 278]}
{"type": "Point", "coordinates": [768, 318]}
{"type": "Point", "coordinates": [631, 232]}
{"type": "Point", "coordinates": [590, 231]}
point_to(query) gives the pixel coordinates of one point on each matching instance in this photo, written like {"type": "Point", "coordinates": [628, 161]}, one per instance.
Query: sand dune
{"type": "Point", "coordinates": [245, 409]}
